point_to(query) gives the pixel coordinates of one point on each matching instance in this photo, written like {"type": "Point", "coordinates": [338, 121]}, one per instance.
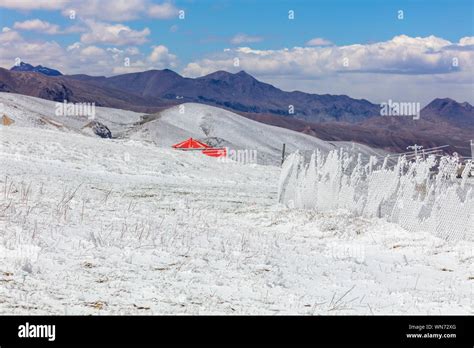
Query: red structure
{"type": "Point", "coordinates": [193, 144]}
{"type": "Point", "coordinates": [213, 152]}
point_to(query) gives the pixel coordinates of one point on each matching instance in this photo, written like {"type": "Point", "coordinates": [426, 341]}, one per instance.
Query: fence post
{"type": "Point", "coordinates": [283, 154]}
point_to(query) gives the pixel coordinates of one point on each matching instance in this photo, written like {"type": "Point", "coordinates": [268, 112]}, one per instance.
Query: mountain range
{"type": "Point", "coordinates": [239, 92]}
{"type": "Point", "coordinates": [329, 117]}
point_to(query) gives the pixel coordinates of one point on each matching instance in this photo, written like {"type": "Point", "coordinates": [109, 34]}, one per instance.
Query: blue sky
{"type": "Point", "coordinates": [214, 33]}
{"type": "Point", "coordinates": [211, 22]}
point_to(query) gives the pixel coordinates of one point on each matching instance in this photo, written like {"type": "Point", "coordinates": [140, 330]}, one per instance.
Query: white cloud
{"type": "Point", "coordinates": [163, 11]}
{"type": "Point", "coordinates": [117, 34]}
{"type": "Point", "coordinates": [318, 41]}
{"type": "Point", "coordinates": [93, 51]}
{"type": "Point", "coordinates": [161, 57]}
{"type": "Point", "coordinates": [108, 10]}
{"type": "Point", "coordinates": [80, 57]}
{"type": "Point", "coordinates": [401, 67]}
{"type": "Point", "coordinates": [13, 46]}
{"type": "Point", "coordinates": [401, 55]}
{"type": "Point", "coordinates": [466, 41]}
{"type": "Point", "coordinates": [119, 10]}
{"type": "Point", "coordinates": [46, 27]}
{"type": "Point", "coordinates": [115, 50]}
{"type": "Point", "coordinates": [37, 25]}
{"type": "Point", "coordinates": [133, 51]}
{"type": "Point", "coordinates": [244, 38]}
{"type": "Point", "coordinates": [76, 28]}
{"type": "Point", "coordinates": [7, 36]}
{"type": "Point", "coordinates": [34, 4]}
{"type": "Point", "coordinates": [74, 46]}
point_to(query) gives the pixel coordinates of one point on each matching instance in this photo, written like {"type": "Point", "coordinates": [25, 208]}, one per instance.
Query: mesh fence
{"type": "Point", "coordinates": [433, 194]}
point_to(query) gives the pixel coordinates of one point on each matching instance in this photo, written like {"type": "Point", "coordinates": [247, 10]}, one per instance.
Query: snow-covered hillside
{"type": "Point", "coordinates": [225, 128]}
{"type": "Point", "coordinates": [120, 226]}
{"type": "Point", "coordinates": [217, 126]}
{"type": "Point", "coordinates": [29, 111]}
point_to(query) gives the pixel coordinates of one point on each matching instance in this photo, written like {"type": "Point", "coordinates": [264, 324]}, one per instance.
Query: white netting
{"type": "Point", "coordinates": [421, 195]}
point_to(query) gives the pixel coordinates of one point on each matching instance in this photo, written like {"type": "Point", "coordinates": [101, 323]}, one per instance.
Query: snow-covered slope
{"type": "Point", "coordinates": [216, 126]}
{"type": "Point", "coordinates": [226, 128]}
{"type": "Point", "coordinates": [118, 226]}
{"type": "Point", "coordinates": [29, 111]}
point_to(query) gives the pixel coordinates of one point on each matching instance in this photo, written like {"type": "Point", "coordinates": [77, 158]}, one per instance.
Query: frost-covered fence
{"type": "Point", "coordinates": [421, 195]}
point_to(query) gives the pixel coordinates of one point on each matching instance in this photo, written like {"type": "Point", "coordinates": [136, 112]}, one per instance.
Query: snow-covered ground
{"type": "Point", "coordinates": [218, 127]}
{"type": "Point", "coordinates": [29, 111]}
{"type": "Point", "coordinates": [224, 128]}
{"type": "Point", "coordinates": [100, 226]}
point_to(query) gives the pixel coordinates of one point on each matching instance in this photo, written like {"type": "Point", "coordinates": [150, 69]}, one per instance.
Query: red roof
{"type": "Point", "coordinates": [215, 152]}
{"type": "Point", "coordinates": [191, 144]}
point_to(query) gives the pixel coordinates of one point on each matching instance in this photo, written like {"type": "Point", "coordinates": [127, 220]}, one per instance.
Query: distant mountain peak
{"type": "Point", "coordinates": [438, 101]}
{"type": "Point", "coordinates": [443, 103]}
{"type": "Point", "coordinates": [169, 72]}
{"type": "Point", "coordinates": [39, 69]}
{"type": "Point", "coordinates": [447, 109]}
{"type": "Point", "coordinates": [217, 75]}
{"type": "Point", "coordinates": [243, 73]}
{"type": "Point", "coordinates": [228, 76]}
{"type": "Point", "coordinates": [22, 65]}
{"type": "Point", "coordinates": [245, 76]}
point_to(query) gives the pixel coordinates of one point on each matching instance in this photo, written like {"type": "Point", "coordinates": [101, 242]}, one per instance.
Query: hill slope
{"type": "Point", "coordinates": [216, 126]}
{"type": "Point", "coordinates": [223, 128]}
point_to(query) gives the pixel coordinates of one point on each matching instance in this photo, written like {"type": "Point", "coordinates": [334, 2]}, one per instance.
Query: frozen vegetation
{"type": "Point", "coordinates": [431, 194]}
{"type": "Point", "coordinates": [123, 226]}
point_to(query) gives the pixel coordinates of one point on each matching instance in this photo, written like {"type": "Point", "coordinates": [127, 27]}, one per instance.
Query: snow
{"type": "Point", "coordinates": [122, 226]}
{"type": "Point", "coordinates": [29, 111]}
{"type": "Point", "coordinates": [408, 193]}
{"type": "Point", "coordinates": [202, 121]}
{"type": "Point", "coordinates": [221, 127]}
{"type": "Point", "coordinates": [130, 226]}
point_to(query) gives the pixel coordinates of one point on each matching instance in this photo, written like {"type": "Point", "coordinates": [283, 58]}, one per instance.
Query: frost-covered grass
{"type": "Point", "coordinates": [86, 229]}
